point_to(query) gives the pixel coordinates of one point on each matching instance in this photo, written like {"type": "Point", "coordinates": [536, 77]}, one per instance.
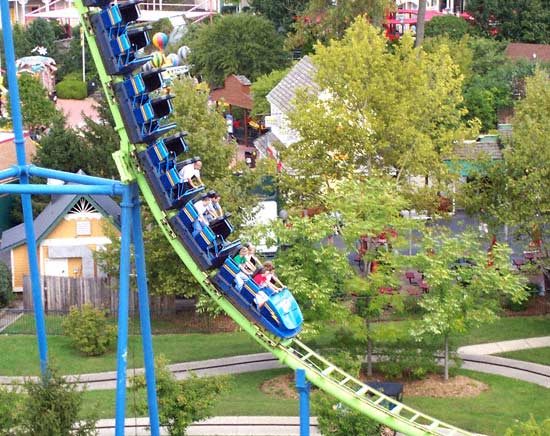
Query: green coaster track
{"type": "Point", "coordinates": [292, 353]}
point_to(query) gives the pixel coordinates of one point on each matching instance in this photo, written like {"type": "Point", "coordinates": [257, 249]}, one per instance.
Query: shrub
{"type": "Point", "coordinates": [52, 407]}
{"type": "Point", "coordinates": [404, 356]}
{"type": "Point", "coordinates": [6, 291]}
{"type": "Point", "coordinates": [89, 330]}
{"type": "Point", "coordinates": [9, 406]}
{"type": "Point", "coordinates": [72, 89]}
{"type": "Point", "coordinates": [530, 428]}
{"type": "Point", "coordinates": [181, 402]}
{"type": "Point", "coordinates": [336, 419]}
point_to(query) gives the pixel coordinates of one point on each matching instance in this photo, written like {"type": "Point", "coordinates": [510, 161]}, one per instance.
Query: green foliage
{"type": "Point", "coordinates": [181, 402]}
{"type": "Point", "coordinates": [508, 20]}
{"type": "Point", "coordinates": [236, 44]}
{"type": "Point", "coordinates": [9, 408]}
{"type": "Point", "coordinates": [263, 86]}
{"type": "Point", "coordinates": [89, 330]}
{"type": "Point", "coordinates": [453, 27]}
{"type": "Point", "coordinates": [52, 408]}
{"type": "Point", "coordinates": [281, 13]}
{"type": "Point", "coordinates": [6, 291]}
{"type": "Point", "coordinates": [72, 60]}
{"type": "Point", "coordinates": [395, 108]}
{"type": "Point", "coordinates": [402, 356]}
{"type": "Point", "coordinates": [72, 89]}
{"type": "Point", "coordinates": [336, 419]}
{"type": "Point", "coordinates": [530, 428]}
{"type": "Point", "coordinates": [38, 110]}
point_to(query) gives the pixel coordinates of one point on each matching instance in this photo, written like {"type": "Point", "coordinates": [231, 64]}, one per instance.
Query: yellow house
{"type": "Point", "coordinates": [67, 232]}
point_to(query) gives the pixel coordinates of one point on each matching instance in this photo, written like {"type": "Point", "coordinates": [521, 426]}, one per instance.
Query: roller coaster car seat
{"type": "Point", "coordinates": [176, 144]}
{"type": "Point", "coordinates": [221, 226]}
{"type": "Point", "coordinates": [139, 38]}
{"type": "Point", "coordinates": [186, 162]}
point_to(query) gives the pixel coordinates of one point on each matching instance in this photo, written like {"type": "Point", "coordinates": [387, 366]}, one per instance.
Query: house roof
{"type": "Point", "coordinates": [300, 76]}
{"type": "Point", "coordinates": [53, 213]}
{"type": "Point", "coordinates": [530, 52]}
{"type": "Point", "coordinates": [235, 91]}
{"type": "Point", "coordinates": [8, 155]}
{"type": "Point", "coordinates": [476, 150]}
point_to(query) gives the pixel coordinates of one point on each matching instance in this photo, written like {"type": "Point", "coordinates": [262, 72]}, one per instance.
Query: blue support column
{"type": "Point", "coordinates": [144, 316]}
{"type": "Point", "coordinates": [19, 141]}
{"type": "Point", "coordinates": [303, 387]}
{"type": "Point", "coordinates": [124, 288]}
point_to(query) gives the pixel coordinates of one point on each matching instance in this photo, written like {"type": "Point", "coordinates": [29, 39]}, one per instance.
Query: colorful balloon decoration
{"type": "Point", "coordinates": [158, 59]}
{"type": "Point", "coordinates": [183, 53]}
{"type": "Point", "coordinates": [160, 40]}
{"type": "Point", "coordinates": [147, 66]}
{"type": "Point", "coordinates": [172, 60]}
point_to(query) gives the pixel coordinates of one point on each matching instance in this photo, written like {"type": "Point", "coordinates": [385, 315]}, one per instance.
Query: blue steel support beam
{"type": "Point", "coordinates": [19, 141]}
{"type": "Point", "coordinates": [10, 173]}
{"type": "Point", "coordinates": [144, 316]}
{"type": "Point", "coordinates": [124, 288]}
{"type": "Point", "coordinates": [69, 177]}
{"type": "Point", "coordinates": [303, 387]}
{"type": "Point", "coordinates": [61, 190]}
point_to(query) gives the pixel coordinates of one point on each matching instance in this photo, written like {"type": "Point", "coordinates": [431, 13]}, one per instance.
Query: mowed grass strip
{"type": "Point", "coordinates": [243, 397]}
{"type": "Point", "coordinates": [534, 355]}
{"type": "Point", "coordinates": [506, 402]}
{"type": "Point", "coordinates": [20, 352]}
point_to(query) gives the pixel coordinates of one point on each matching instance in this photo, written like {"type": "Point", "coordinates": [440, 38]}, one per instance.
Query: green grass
{"type": "Point", "coordinates": [490, 413]}
{"type": "Point", "coordinates": [493, 411]}
{"type": "Point", "coordinates": [242, 398]}
{"type": "Point", "coordinates": [535, 355]}
{"type": "Point", "coordinates": [20, 352]}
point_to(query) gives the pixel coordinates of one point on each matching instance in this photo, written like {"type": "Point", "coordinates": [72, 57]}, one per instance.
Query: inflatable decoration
{"type": "Point", "coordinates": [158, 59]}
{"type": "Point", "coordinates": [183, 53]}
{"type": "Point", "coordinates": [160, 40]}
{"type": "Point", "coordinates": [172, 60]}
{"type": "Point", "coordinates": [147, 66]}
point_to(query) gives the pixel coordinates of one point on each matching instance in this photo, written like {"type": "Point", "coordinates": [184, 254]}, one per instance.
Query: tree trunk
{"type": "Point", "coordinates": [369, 349]}
{"type": "Point", "coordinates": [420, 19]}
{"type": "Point", "coordinates": [446, 359]}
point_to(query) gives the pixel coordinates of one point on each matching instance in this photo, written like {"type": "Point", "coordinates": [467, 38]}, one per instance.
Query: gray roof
{"type": "Point", "coordinates": [300, 76]}
{"type": "Point", "coordinates": [53, 213]}
{"type": "Point", "coordinates": [243, 79]}
{"type": "Point", "coordinates": [477, 150]}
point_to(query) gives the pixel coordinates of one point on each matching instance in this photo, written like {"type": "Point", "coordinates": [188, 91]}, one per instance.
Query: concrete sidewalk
{"type": "Point", "coordinates": [505, 346]}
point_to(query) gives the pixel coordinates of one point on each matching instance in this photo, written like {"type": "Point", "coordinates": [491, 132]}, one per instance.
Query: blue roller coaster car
{"type": "Point", "coordinates": [209, 248]}
{"type": "Point", "coordinates": [280, 314]}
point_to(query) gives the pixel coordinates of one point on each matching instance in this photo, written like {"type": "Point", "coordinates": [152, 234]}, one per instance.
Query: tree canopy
{"type": "Point", "coordinates": [236, 44]}
{"type": "Point", "coordinates": [395, 111]}
{"type": "Point", "coordinates": [282, 12]}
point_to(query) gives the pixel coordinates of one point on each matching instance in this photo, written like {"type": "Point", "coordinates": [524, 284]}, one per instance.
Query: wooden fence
{"type": "Point", "coordinates": [61, 293]}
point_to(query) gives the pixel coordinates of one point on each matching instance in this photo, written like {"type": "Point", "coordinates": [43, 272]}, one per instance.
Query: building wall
{"type": "Point", "coordinates": [64, 243]}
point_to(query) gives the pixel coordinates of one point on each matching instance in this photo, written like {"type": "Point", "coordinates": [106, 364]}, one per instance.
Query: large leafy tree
{"type": "Point", "coordinates": [38, 110]}
{"type": "Point", "coordinates": [395, 111]}
{"type": "Point", "coordinates": [236, 44]}
{"type": "Point", "coordinates": [282, 13]}
{"type": "Point", "coordinates": [514, 191]}
{"type": "Point", "coordinates": [465, 285]}
{"type": "Point", "coordinates": [263, 86]}
{"type": "Point", "coordinates": [324, 20]}
{"type": "Point", "coordinates": [526, 21]}
{"type": "Point", "coordinates": [453, 27]}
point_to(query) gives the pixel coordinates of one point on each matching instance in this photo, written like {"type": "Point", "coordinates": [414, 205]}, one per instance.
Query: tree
{"type": "Point", "coordinates": [6, 291]}
{"type": "Point", "coordinates": [263, 86]}
{"type": "Point", "coordinates": [71, 61]}
{"type": "Point", "coordinates": [236, 44]}
{"type": "Point", "coordinates": [454, 27]}
{"type": "Point", "coordinates": [528, 21]}
{"type": "Point", "coordinates": [420, 23]}
{"type": "Point", "coordinates": [281, 13]}
{"type": "Point", "coordinates": [325, 20]}
{"type": "Point", "coordinates": [53, 406]}
{"type": "Point", "coordinates": [38, 110]}
{"type": "Point", "coordinates": [393, 111]}
{"type": "Point", "coordinates": [181, 402]}
{"type": "Point", "coordinates": [465, 284]}
{"type": "Point", "coordinates": [514, 191]}
{"type": "Point", "coordinates": [530, 428]}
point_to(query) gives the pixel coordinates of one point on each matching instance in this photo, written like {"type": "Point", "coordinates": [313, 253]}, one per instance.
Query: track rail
{"type": "Point", "coordinates": [292, 353]}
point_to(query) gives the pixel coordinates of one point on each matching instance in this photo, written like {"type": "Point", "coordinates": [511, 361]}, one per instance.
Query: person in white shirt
{"type": "Point", "coordinates": [201, 207]}
{"type": "Point", "coordinates": [191, 175]}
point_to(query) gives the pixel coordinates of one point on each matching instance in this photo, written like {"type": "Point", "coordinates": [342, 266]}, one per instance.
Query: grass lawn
{"type": "Point", "coordinates": [490, 413]}
{"type": "Point", "coordinates": [535, 355]}
{"type": "Point", "coordinates": [242, 398]}
{"type": "Point", "coordinates": [493, 411]}
{"type": "Point", "coordinates": [20, 352]}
